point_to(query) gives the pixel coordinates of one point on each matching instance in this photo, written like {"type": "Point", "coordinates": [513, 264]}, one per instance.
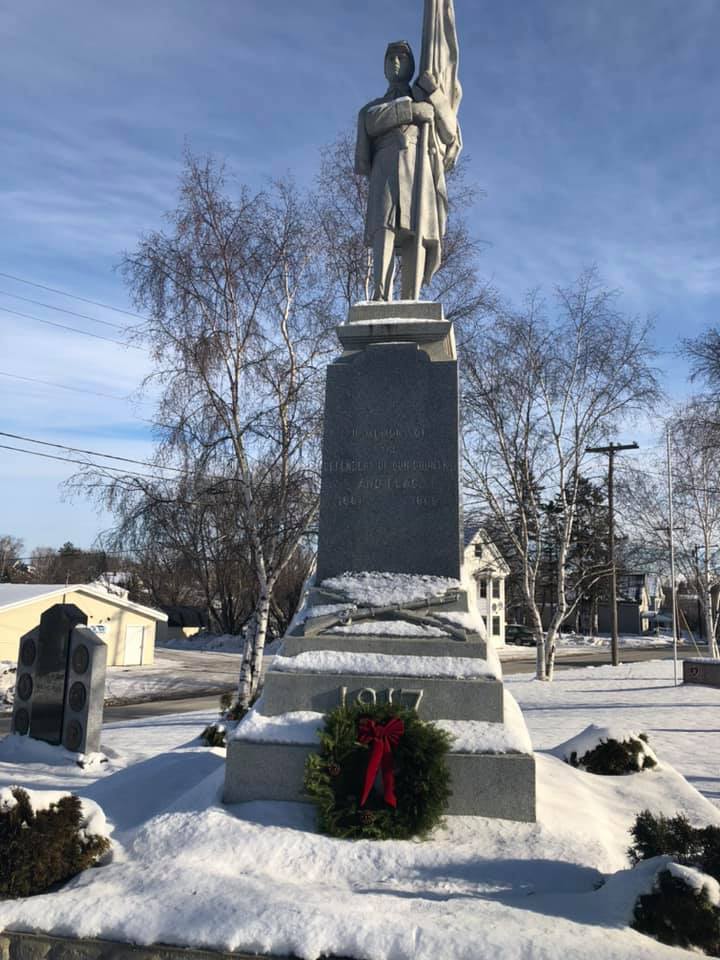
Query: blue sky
{"type": "Point", "coordinates": [592, 126]}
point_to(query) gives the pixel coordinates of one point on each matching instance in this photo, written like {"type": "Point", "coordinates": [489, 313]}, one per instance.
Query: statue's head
{"type": "Point", "coordinates": [399, 62]}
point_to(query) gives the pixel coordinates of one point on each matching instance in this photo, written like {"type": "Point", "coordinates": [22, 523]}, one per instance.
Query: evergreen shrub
{"type": "Point", "coordinates": [613, 758]}
{"type": "Point", "coordinates": [43, 848]}
{"type": "Point", "coordinates": [214, 735]}
{"type": "Point", "coordinates": [656, 836]}
{"type": "Point", "coordinates": [679, 915]}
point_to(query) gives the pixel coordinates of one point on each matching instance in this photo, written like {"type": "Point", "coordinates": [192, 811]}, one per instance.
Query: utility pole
{"type": "Point", "coordinates": [611, 449]}
{"type": "Point", "coordinates": [671, 534]}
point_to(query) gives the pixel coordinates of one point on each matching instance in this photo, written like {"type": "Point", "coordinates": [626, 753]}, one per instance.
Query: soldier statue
{"type": "Point", "coordinates": [406, 142]}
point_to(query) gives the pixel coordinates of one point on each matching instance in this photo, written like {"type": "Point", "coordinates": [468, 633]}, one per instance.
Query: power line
{"type": "Point", "coordinates": [63, 326]}
{"type": "Point", "coordinates": [71, 313]}
{"type": "Point", "coordinates": [65, 386]}
{"type": "Point", "coordinates": [64, 293]}
{"type": "Point", "coordinates": [82, 463]}
{"type": "Point", "coordinates": [104, 456]}
{"type": "Point", "coordinates": [89, 453]}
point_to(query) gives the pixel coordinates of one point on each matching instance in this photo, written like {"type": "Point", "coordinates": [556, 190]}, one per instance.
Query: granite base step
{"type": "Point", "coordinates": [392, 646]}
{"type": "Point", "coordinates": [434, 698]}
{"type": "Point", "coordinates": [501, 786]}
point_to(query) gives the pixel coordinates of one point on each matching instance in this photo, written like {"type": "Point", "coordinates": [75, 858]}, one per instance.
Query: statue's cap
{"type": "Point", "coordinates": [401, 46]}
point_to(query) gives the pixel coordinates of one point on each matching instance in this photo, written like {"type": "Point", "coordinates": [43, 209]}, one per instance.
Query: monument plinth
{"type": "Point", "coordinates": [390, 494]}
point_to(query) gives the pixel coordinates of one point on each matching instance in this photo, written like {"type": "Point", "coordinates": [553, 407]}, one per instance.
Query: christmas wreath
{"type": "Point", "coordinates": [381, 774]}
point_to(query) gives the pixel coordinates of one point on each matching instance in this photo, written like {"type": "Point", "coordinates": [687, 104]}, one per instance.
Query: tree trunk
{"type": "Point", "coordinates": [262, 619]}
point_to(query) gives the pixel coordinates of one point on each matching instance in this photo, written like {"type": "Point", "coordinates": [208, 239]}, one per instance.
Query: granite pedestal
{"type": "Point", "coordinates": [390, 493]}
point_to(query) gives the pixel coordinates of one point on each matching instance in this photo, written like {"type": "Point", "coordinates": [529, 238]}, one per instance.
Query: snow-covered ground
{"type": "Point", "coordinates": [186, 869]}
{"type": "Point", "coordinates": [581, 643]}
{"type": "Point", "coordinates": [683, 722]}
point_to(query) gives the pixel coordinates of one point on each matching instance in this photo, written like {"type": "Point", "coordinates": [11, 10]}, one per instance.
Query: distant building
{"type": "Point", "coordinates": [183, 622]}
{"type": "Point", "coordinates": [128, 629]}
{"type": "Point", "coordinates": [485, 564]}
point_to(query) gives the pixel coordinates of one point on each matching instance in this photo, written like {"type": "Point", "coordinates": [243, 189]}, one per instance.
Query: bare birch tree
{"type": "Point", "coordinates": [232, 292]}
{"type": "Point", "coordinates": [539, 388]}
{"type": "Point", "coordinates": [643, 495]}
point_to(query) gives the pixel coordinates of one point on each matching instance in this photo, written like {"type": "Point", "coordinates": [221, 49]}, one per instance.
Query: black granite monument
{"type": "Point", "coordinates": [390, 497]}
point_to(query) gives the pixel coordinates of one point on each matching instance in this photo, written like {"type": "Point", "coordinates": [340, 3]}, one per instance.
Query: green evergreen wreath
{"type": "Point", "coordinates": [335, 776]}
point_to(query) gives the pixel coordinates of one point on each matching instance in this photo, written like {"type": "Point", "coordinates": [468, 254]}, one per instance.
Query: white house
{"type": "Point", "coordinates": [484, 564]}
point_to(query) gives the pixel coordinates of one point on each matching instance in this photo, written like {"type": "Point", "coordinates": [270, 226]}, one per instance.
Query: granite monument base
{"type": "Point", "coordinates": [483, 785]}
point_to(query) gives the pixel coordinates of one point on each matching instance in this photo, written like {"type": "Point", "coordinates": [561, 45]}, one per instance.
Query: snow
{"type": "Point", "coordinates": [382, 664]}
{"type": "Point", "coordinates": [681, 722]}
{"type": "Point", "coordinates": [592, 736]}
{"type": "Point", "coordinates": [697, 881]}
{"type": "Point", "coordinates": [579, 643]}
{"type": "Point", "coordinates": [297, 727]}
{"type": "Point", "coordinates": [257, 878]}
{"type": "Point", "coordinates": [324, 610]}
{"type": "Point", "coordinates": [471, 621]}
{"type": "Point", "coordinates": [389, 589]}
{"type": "Point", "coordinates": [388, 628]}
{"type": "Point", "coordinates": [479, 736]}
{"type": "Point", "coordinates": [469, 736]}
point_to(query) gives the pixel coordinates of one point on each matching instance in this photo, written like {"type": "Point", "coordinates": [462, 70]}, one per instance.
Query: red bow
{"type": "Point", "coordinates": [383, 740]}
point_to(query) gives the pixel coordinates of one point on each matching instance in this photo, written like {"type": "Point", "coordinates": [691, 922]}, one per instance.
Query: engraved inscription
{"type": "Point", "coordinates": [368, 697]}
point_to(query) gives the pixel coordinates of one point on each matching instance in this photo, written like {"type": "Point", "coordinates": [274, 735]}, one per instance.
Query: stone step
{"type": "Point", "coordinates": [483, 785]}
{"type": "Point", "coordinates": [392, 646]}
{"type": "Point", "coordinates": [434, 698]}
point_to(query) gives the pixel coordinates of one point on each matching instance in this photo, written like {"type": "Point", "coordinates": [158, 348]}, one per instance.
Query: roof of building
{"type": "Point", "coordinates": [477, 536]}
{"type": "Point", "coordinates": [19, 594]}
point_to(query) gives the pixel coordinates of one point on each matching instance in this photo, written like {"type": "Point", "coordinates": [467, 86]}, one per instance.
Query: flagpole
{"type": "Point", "coordinates": [423, 148]}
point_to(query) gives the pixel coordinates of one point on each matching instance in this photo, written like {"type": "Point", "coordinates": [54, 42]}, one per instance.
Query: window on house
{"type": "Point", "coordinates": [496, 589]}
{"type": "Point", "coordinates": [484, 620]}
{"type": "Point", "coordinates": [482, 588]}
{"type": "Point", "coordinates": [496, 626]}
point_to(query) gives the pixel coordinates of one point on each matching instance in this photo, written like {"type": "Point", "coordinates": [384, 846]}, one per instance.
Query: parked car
{"type": "Point", "coordinates": [520, 634]}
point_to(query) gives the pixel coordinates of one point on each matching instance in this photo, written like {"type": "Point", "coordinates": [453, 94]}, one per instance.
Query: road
{"type": "Point", "coordinates": [526, 664]}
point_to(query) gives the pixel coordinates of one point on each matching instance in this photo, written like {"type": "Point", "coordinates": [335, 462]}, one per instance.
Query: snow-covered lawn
{"type": "Point", "coordinates": [256, 877]}
{"type": "Point", "coordinates": [683, 722]}
{"type": "Point", "coordinates": [568, 643]}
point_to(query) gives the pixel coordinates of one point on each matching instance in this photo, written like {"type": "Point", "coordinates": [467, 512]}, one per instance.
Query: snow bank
{"type": "Point", "coordinates": [388, 628]}
{"type": "Point", "coordinates": [697, 881]}
{"type": "Point", "coordinates": [593, 735]}
{"type": "Point", "coordinates": [389, 589]}
{"type": "Point", "coordinates": [381, 664]}
{"type": "Point", "coordinates": [18, 749]}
